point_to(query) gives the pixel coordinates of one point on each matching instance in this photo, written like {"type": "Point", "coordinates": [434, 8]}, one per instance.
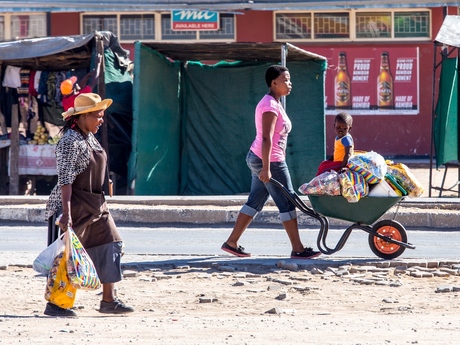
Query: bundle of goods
{"type": "Point", "coordinates": [325, 184]}
{"type": "Point", "coordinates": [405, 178]}
{"type": "Point", "coordinates": [370, 165]}
{"type": "Point", "coordinates": [353, 186]}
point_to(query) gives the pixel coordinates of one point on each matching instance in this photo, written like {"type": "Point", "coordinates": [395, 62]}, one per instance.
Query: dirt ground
{"type": "Point", "coordinates": [251, 305]}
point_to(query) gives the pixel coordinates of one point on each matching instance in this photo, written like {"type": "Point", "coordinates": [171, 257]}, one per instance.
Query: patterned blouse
{"type": "Point", "coordinates": [72, 156]}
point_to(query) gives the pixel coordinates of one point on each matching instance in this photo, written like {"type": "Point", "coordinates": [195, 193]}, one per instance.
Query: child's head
{"type": "Point", "coordinates": [342, 124]}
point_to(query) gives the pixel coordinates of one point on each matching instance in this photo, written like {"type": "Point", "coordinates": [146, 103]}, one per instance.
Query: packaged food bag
{"type": "Point", "coordinates": [80, 267]}
{"type": "Point", "coordinates": [406, 179]}
{"type": "Point", "coordinates": [326, 183]}
{"type": "Point", "coordinates": [370, 165]}
{"type": "Point", "coordinates": [59, 290]}
{"type": "Point", "coordinates": [353, 185]}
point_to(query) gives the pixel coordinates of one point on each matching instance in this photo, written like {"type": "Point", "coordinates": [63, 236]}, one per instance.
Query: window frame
{"type": "Point", "coordinates": [352, 28]}
{"type": "Point", "coordinates": [7, 23]}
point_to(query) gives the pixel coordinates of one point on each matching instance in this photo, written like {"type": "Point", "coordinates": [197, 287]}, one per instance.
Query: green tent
{"type": "Point", "coordinates": [193, 123]}
{"type": "Point", "coordinates": [446, 127]}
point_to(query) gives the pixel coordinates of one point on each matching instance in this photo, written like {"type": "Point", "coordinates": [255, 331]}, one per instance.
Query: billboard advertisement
{"type": "Point", "coordinates": [379, 81]}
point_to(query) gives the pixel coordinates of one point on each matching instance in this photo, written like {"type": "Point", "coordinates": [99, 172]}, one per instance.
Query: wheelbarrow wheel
{"type": "Point", "coordinates": [384, 249]}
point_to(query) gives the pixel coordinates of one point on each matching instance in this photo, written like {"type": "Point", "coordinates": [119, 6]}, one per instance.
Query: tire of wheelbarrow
{"type": "Point", "coordinates": [382, 248]}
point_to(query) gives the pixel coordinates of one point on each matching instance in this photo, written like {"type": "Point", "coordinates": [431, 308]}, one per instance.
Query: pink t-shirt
{"type": "Point", "coordinates": [282, 127]}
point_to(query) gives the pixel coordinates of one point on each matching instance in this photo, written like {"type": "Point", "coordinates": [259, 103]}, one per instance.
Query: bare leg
{"type": "Point", "coordinates": [292, 230]}
{"type": "Point", "coordinates": [108, 292]}
{"type": "Point", "coordinates": [242, 222]}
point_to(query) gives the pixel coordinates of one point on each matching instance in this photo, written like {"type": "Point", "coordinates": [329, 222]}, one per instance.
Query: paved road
{"type": "Point", "coordinates": [194, 240]}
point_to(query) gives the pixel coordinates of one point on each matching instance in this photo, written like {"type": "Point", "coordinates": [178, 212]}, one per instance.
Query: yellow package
{"type": "Point", "coordinates": [406, 179]}
{"type": "Point", "coordinates": [59, 289]}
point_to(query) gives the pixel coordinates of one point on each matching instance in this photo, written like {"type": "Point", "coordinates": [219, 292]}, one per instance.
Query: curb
{"type": "Point", "coordinates": [428, 213]}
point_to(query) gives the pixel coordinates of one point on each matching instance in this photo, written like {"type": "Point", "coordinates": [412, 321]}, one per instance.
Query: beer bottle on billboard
{"type": "Point", "coordinates": [342, 84]}
{"type": "Point", "coordinates": [385, 95]}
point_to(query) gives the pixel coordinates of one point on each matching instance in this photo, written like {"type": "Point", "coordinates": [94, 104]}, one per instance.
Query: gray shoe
{"type": "Point", "coordinates": [53, 310]}
{"type": "Point", "coordinates": [115, 307]}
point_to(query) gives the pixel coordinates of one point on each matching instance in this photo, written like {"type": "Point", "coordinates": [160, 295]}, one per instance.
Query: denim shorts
{"type": "Point", "coordinates": [261, 191]}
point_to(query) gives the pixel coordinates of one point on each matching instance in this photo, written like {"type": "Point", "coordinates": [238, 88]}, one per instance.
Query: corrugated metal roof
{"type": "Point", "coordinates": [237, 51]}
{"type": "Point", "coordinates": [214, 5]}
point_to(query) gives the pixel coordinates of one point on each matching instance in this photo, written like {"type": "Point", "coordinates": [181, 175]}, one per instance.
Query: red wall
{"type": "Point", "coordinates": [254, 26]}
{"type": "Point", "coordinates": [63, 24]}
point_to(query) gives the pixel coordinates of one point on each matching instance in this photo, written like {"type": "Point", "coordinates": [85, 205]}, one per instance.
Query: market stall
{"type": "Point", "coordinates": [194, 121]}
{"type": "Point", "coordinates": [32, 71]}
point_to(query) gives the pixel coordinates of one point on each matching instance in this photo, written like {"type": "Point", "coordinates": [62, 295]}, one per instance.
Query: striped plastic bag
{"type": "Point", "coordinates": [353, 186]}
{"type": "Point", "coordinates": [80, 267]}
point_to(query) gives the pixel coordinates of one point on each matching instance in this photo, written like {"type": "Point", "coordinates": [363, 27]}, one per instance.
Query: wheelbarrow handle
{"type": "Point", "coordinates": [295, 199]}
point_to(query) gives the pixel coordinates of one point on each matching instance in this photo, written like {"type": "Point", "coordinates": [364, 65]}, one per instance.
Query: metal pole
{"type": "Point", "coordinates": [435, 49]}
{"type": "Point", "coordinates": [284, 53]}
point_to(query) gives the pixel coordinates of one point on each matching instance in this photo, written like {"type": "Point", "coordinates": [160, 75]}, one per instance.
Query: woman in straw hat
{"type": "Point", "coordinates": [81, 169]}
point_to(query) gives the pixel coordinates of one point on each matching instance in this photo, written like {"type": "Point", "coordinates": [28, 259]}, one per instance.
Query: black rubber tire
{"type": "Point", "coordinates": [383, 249]}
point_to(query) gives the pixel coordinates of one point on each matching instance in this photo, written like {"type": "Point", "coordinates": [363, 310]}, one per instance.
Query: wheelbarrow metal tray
{"type": "Point", "coordinates": [366, 211]}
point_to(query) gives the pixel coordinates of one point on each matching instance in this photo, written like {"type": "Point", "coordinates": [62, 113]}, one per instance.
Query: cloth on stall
{"type": "Point", "coordinates": [37, 81]}
{"type": "Point", "coordinates": [23, 90]}
{"type": "Point", "coordinates": [12, 77]}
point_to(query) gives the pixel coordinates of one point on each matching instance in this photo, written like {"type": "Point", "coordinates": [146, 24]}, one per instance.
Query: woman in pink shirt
{"type": "Point", "coordinates": [267, 158]}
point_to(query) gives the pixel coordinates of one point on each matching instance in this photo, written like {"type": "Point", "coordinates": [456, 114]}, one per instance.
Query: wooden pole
{"type": "Point", "coordinates": [14, 151]}
{"type": "Point", "coordinates": [101, 91]}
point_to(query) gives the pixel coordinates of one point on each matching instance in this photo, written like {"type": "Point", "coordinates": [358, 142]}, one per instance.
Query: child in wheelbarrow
{"type": "Point", "coordinates": [266, 158]}
{"type": "Point", "coordinates": [343, 145]}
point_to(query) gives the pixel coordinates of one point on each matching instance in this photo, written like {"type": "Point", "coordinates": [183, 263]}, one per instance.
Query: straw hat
{"type": "Point", "coordinates": [67, 85]}
{"type": "Point", "coordinates": [87, 103]}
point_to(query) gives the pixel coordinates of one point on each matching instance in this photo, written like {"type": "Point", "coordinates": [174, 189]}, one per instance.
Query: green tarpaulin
{"type": "Point", "coordinates": [445, 126]}
{"type": "Point", "coordinates": [194, 123]}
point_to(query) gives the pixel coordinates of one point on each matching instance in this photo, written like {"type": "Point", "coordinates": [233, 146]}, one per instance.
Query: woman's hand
{"type": "Point", "coordinates": [265, 175]}
{"type": "Point", "coordinates": [65, 221]}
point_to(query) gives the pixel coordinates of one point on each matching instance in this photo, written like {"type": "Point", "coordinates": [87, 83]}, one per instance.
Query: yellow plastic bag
{"type": "Point", "coordinates": [59, 289]}
{"type": "Point", "coordinates": [406, 179]}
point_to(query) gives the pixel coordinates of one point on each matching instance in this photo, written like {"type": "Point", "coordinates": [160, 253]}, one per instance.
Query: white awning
{"type": "Point", "coordinates": [449, 34]}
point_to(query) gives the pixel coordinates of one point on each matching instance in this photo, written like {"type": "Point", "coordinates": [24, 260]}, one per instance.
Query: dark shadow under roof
{"type": "Point", "coordinates": [235, 51]}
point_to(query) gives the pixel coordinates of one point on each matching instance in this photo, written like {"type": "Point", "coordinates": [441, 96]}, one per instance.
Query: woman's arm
{"type": "Point", "coordinates": [268, 128]}
{"type": "Point", "coordinates": [66, 219]}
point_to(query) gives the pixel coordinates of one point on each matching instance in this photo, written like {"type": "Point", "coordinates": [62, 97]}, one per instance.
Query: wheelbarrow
{"type": "Point", "coordinates": [387, 238]}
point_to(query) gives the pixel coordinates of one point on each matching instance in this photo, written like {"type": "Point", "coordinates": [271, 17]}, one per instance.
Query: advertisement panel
{"type": "Point", "coordinates": [378, 81]}
{"type": "Point", "coordinates": [186, 20]}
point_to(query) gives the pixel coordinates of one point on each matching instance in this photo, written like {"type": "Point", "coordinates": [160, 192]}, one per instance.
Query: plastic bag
{"type": "Point", "coordinates": [406, 179]}
{"type": "Point", "coordinates": [44, 261]}
{"type": "Point", "coordinates": [326, 183]}
{"type": "Point", "coordinates": [354, 186]}
{"type": "Point", "coordinates": [370, 165]}
{"type": "Point", "coordinates": [80, 267]}
{"type": "Point", "coordinates": [59, 290]}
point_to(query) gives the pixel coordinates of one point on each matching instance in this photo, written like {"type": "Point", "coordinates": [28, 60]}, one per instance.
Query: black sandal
{"type": "Point", "coordinates": [235, 251]}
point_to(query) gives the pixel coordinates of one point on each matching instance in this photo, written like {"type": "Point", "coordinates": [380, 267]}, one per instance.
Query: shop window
{"type": "Point", "coordinates": [137, 27]}
{"type": "Point", "coordinates": [226, 30]}
{"type": "Point", "coordinates": [93, 23]}
{"type": "Point", "coordinates": [2, 28]}
{"type": "Point", "coordinates": [331, 25]}
{"type": "Point", "coordinates": [412, 24]}
{"type": "Point", "coordinates": [28, 26]}
{"type": "Point", "coordinates": [353, 25]}
{"type": "Point", "coordinates": [373, 25]}
{"type": "Point", "coordinates": [293, 26]}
